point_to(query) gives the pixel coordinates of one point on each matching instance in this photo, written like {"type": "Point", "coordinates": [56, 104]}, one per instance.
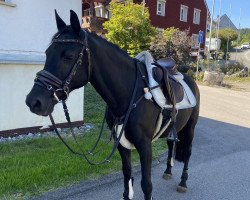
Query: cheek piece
{"type": "Point", "coordinates": [61, 88]}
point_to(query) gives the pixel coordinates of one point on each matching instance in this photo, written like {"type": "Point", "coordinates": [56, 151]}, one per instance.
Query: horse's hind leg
{"type": "Point", "coordinates": [168, 173]}
{"type": "Point", "coordinates": [183, 153]}
{"type": "Point", "coordinates": [126, 168]}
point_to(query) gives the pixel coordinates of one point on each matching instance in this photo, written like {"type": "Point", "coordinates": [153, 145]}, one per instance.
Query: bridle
{"type": "Point", "coordinates": [52, 83]}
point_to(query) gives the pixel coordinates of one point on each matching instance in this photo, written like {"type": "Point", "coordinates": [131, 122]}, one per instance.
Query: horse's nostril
{"type": "Point", "coordinates": [36, 104]}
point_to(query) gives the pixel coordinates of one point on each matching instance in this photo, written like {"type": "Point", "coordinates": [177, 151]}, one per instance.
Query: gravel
{"type": "Point", "coordinates": [64, 132]}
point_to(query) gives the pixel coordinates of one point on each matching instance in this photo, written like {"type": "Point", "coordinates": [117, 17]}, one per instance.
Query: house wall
{"type": "Point", "coordinates": [30, 25]}
{"type": "Point", "coordinates": [172, 15]}
{"type": "Point", "coordinates": [16, 80]}
{"type": "Point", "coordinates": [26, 30]}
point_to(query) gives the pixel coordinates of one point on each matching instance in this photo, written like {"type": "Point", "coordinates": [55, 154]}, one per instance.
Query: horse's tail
{"type": "Point", "coordinates": [184, 146]}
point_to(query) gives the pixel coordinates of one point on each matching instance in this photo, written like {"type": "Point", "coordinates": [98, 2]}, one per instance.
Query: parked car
{"type": "Point", "coordinates": [245, 46]}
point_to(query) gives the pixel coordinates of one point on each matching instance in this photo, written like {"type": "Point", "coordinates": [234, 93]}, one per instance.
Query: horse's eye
{"type": "Point", "coordinates": [68, 58]}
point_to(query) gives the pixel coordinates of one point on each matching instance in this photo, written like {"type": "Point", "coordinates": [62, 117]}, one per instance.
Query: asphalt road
{"type": "Point", "coordinates": [219, 166]}
{"type": "Point", "coordinates": [241, 56]}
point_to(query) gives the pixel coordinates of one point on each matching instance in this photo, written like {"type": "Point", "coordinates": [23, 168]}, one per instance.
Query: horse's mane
{"type": "Point", "coordinates": [109, 44]}
{"type": "Point", "coordinates": [97, 37]}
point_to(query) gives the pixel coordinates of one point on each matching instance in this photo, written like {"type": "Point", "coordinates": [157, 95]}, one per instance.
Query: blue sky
{"type": "Point", "coordinates": [235, 11]}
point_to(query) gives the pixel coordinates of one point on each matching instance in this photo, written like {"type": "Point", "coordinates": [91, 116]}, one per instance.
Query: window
{"type": "Point", "coordinates": [161, 6]}
{"type": "Point", "coordinates": [197, 15]}
{"type": "Point", "coordinates": [183, 13]}
{"type": "Point", "coordinates": [195, 40]}
{"type": "Point", "coordinates": [101, 11]}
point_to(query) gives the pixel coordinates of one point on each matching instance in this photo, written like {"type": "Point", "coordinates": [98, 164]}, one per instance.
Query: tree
{"type": "Point", "coordinates": [129, 28]}
{"type": "Point", "coordinates": [226, 35]}
{"type": "Point", "coordinates": [172, 43]}
{"type": "Point", "coordinates": [245, 38]}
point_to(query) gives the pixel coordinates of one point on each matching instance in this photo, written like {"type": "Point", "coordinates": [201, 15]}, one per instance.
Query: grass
{"type": "Point", "coordinates": [237, 83]}
{"type": "Point", "coordinates": [34, 166]}
{"type": "Point", "coordinates": [237, 79]}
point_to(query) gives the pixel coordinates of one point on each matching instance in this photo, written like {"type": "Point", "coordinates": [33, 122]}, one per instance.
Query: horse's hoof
{"type": "Point", "coordinates": [181, 189]}
{"type": "Point", "coordinates": [167, 176]}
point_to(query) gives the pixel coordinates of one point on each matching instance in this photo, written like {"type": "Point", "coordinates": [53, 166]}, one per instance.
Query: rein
{"type": "Point", "coordinates": [132, 105]}
{"type": "Point", "coordinates": [52, 83]}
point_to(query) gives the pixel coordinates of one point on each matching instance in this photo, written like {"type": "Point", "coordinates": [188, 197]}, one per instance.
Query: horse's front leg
{"type": "Point", "coordinates": [126, 168]}
{"type": "Point", "coordinates": [144, 148]}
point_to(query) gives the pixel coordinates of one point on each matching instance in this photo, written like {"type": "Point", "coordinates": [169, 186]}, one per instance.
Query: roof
{"type": "Point", "coordinates": [225, 22]}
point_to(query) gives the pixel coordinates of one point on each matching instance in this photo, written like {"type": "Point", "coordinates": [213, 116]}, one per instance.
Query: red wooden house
{"type": "Point", "coordinates": [183, 14]}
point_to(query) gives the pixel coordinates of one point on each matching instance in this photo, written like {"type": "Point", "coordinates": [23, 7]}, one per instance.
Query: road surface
{"type": "Point", "coordinates": [219, 166]}
{"type": "Point", "coordinates": [242, 56]}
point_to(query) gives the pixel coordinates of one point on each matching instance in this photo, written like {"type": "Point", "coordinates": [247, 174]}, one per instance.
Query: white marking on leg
{"type": "Point", "coordinates": [131, 191]}
{"type": "Point", "coordinates": [172, 162]}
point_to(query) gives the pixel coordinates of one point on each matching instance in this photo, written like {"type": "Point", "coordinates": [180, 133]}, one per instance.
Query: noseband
{"type": "Point", "coordinates": [56, 85]}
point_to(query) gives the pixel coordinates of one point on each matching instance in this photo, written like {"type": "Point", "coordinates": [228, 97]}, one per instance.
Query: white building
{"type": "Point", "coordinates": [26, 28]}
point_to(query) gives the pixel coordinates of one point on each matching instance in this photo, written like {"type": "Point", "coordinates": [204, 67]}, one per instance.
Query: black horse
{"type": "Point", "coordinates": [76, 57]}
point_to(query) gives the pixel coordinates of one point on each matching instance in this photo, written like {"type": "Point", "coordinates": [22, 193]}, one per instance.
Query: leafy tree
{"type": "Point", "coordinates": [245, 38]}
{"type": "Point", "coordinates": [244, 31]}
{"type": "Point", "coordinates": [129, 28]}
{"type": "Point", "coordinates": [172, 43]}
{"type": "Point", "coordinates": [244, 35]}
{"type": "Point", "coordinates": [226, 35]}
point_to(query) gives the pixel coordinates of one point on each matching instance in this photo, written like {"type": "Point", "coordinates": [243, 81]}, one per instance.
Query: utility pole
{"type": "Point", "coordinates": [229, 24]}
{"type": "Point", "coordinates": [211, 25]}
{"type": "Point", "coordinates": [238, 39]}
{"type": "Point", "coordinates": [143, 7]}
{"type": "Point", "coordinates": [218, 30]}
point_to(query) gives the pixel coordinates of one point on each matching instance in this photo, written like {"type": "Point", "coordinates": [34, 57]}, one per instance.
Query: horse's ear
{"type": "Point", "coordinates": [74, 22]}
{"type": "Point", "coordinates": [59, 22]}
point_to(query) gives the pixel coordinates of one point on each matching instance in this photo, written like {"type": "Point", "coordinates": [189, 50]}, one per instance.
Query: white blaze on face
{"type": "Point", "coordinates": [131, 191]}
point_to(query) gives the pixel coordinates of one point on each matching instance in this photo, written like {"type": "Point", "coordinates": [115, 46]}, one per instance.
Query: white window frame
{"type": "Point", "coordinates": [197, 16]}
{"type": "Point", "coordinates": [160, 10]}
{"type": "Point", "coordinates": [184, 13]}
{"type": "Point", "coordinates": [101, 11]}
{"type": "Point", "coordinates": [195, 40]}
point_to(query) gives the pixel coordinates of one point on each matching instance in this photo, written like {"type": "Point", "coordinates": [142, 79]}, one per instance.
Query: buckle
{"type": "Point", "coordinates": [63, 94]}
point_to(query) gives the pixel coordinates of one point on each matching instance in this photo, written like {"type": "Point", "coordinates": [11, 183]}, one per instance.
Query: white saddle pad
{"type": "Point", "coordinates": [189, 99]}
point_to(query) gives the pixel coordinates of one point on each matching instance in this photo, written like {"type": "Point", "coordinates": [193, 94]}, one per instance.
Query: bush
{"type": "Point", "coordinates": [172, 43]}
{"type": "Point", "coordinates": [231, 68]}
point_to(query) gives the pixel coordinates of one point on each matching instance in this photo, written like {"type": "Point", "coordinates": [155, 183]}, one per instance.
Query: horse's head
{"type": "Point", "coordinates": [66, 67]}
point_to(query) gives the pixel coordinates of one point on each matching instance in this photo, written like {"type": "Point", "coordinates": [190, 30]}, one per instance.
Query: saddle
{"type": "Point", "coordinates": [163, 75]}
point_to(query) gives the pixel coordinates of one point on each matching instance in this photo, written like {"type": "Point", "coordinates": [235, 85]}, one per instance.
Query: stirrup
{"type": "Point", "coordinates": [173, 134]}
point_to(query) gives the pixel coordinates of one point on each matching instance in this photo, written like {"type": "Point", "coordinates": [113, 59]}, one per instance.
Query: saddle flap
{"type": "Point", "coordinates": [166, 81]}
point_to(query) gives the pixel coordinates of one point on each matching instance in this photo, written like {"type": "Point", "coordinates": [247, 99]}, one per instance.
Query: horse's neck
{"type": "Point", "coordinates": [113, 76]}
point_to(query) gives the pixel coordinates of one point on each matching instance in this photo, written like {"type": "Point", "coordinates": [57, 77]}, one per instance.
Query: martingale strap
{"type": "Point", "coordinates": [132, 105]}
